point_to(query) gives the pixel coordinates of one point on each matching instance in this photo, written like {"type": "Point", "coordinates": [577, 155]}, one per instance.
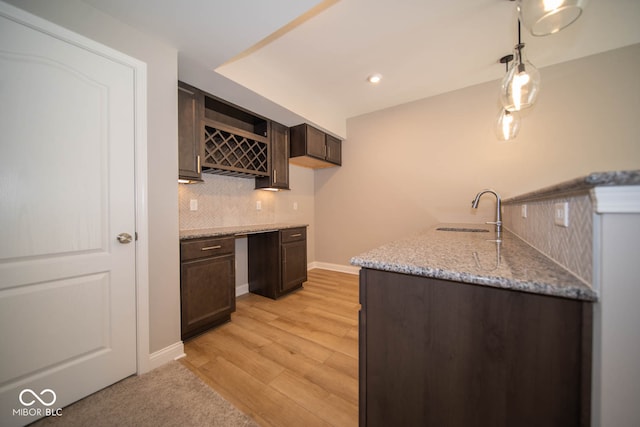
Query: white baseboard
{"type": "Point", "coordinates": [349, 269]}
{"type": "Point", "coordinates": [173, 352]}
{"type": "Point", "coordinates": [242, 289]}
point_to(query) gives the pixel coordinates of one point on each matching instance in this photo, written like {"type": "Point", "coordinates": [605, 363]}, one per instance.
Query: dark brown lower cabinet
{"type": "Point", "coordinates": [207, 283]}
{"type": "Point", "coordinates": [278, 261]}
{"type": "Point", "coordinates": [441, 353]}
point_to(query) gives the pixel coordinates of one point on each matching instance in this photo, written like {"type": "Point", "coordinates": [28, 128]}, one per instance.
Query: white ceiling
{"type": "Point", "coordinates": [317, 68]}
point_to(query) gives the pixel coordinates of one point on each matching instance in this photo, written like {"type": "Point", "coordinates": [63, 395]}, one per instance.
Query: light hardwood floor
{"type": "Point", "coordinates": [289, 362]}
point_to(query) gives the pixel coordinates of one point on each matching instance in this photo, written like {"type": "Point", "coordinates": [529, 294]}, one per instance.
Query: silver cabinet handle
{"type": "Point", "coordinates": [275, 176]}
{"type": "Point", "coordinates": [124, 238]}
{"type": "Point", "coordinates": [296, 235]}
{"type": "Point", "coordinates": [199, 165]}
{"type": "Point", "coordinates": [210, 248]}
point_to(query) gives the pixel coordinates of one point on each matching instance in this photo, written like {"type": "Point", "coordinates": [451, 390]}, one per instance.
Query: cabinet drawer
{"type": "Point", "coordinates": [202, 248]}
{"type": "Point", "coordinates": [293, 234]}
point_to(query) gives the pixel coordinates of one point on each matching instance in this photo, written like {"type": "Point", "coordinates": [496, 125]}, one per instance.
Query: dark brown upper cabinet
{"type": "Point", "coordinates": [235, 141]}
{"type": "Point", "coordinates": [334, 150]}
{"type": "Point", "coordinates": [228, 139]}
{"type": "Point", "coordinates": [188, 133]}
{"type": "Point", "coordinates": [313, 148]}
{"type": "Point", "coordinates": [279, 176]}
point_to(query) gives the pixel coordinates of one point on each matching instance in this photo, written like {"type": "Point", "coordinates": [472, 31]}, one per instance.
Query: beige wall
{"type": "Point", "coordinates": [417, 164]}
{"type": "Point", "coordinates": [162, 160]}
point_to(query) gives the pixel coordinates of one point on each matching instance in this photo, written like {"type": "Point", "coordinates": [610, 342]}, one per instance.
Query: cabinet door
{"type": "Point", "coordinates": [294, 264]}
{"type": "Point", "coordinates": [316, 143]}
{"type": "Point", "coordinates": [279, 152]}
{"type": "Point", "coordinates": [312, 148]}
{"type": "Point", "coordinates": [207, 293]}
{"type": "Point", "coordinates": [334, 150]}
{"type": "Point", "coordinates": [280, 155]}
{"type": "Point", "coordinates": [188, 135]}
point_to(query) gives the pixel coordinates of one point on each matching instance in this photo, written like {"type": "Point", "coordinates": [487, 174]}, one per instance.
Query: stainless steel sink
{"type": "Point", "coordinates": [463, 229]}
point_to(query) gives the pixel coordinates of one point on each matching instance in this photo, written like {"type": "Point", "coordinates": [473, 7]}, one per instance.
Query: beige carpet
{"type": "Point", "coordinates": [168, 396]}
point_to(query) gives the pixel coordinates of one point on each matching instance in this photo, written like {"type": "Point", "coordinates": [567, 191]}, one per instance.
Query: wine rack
{"type": "Point", "coordinates": [234, 152]}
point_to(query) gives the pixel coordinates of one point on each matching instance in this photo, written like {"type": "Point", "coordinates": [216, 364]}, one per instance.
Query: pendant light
{"type": "Point", "coordinates": [508, 123]}
{"type": "Point", "coordinates": [544, 17]}
{"type": "Point", "coordinates": [521, 84]}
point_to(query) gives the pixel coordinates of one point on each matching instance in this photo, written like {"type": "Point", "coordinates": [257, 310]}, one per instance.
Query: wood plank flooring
{"type": "Point", "coordinates": [289, 362]}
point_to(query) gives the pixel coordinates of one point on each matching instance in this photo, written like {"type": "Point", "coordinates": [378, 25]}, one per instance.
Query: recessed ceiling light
{"type": "Point", "coordinates": [374, 78]}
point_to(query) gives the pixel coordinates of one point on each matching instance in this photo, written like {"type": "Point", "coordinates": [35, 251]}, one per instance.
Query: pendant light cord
{"type": "Point", "coordinates": [519, 40]}
{"type": "Point", "coordinates": [520, 45]}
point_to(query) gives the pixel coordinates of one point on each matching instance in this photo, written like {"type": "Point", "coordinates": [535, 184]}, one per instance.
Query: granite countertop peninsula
{"type": "Point", "coordinates": [476, 258]}
{"type": "Point", "coordinates": [239, 230]}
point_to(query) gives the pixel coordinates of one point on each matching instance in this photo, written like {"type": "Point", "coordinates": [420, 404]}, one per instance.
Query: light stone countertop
{"type": "Point", "coordinates": [236, 230]}
{"type": "Point", "coordinates": [580, 185]}
{"type": "Point", "coordinates": [471, 257]}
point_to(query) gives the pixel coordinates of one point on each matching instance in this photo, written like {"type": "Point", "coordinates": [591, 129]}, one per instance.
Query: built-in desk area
{"type": "Point", "coordinates": [277, 265]}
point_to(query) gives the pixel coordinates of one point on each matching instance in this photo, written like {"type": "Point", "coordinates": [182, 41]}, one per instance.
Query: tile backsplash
{"type": "Point", "coordinates": [224, 202]}
{"type": "Point", "coordinates": [571, 247]}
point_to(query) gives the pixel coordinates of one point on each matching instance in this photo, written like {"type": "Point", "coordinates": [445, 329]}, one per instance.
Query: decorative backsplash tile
{"type": "Point", "coordinates": [224, 202]}
{"type": "Point", "coordinates": [571, 247]}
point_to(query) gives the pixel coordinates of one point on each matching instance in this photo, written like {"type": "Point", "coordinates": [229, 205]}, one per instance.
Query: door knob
{"type": "Point", "coordinates": [124, 238]}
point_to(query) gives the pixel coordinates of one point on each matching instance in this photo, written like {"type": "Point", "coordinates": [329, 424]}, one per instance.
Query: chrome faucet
{"type": "Point", "coordinates": [498, 221]}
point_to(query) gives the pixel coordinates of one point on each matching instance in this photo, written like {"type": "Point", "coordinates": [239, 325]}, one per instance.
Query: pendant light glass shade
{"type": "Point", "coordinates": [544, 17]}
{"type": "Point", "coordinates": [521, 84]}
{"type": "Point", "coordinates": [507, 125]}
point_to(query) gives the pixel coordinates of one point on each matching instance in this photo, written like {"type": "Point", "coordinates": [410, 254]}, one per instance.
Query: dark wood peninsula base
{"type": "Point", "coordinates": [443, 353]}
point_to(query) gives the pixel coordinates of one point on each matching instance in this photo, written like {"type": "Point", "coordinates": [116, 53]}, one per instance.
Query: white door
{"type": "Point", "coordinates": [67, 285]}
